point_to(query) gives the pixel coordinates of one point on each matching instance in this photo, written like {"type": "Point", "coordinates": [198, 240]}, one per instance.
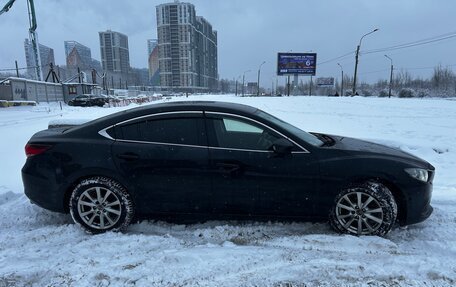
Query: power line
{"type": "Point", "coordinates": [414, 43]}
{"type": "Point", "coordinates": [337, 58]}
{"type": "Point", "coordinates": [425, 41]}
{"type": "Point", "coordinates": [405, 68]}
{"type": "Point", "coordinates": [14, 69]}
{"type": "Point", "coordinates": [373, 72]}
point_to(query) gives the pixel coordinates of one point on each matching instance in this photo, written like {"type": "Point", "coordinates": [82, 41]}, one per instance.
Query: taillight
{"type": "Point", "coordinates": [34, 149]}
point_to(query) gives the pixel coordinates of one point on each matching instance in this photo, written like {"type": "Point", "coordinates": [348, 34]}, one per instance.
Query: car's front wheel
{"type": "Point", "coordinates": [100, 204]}
{"type": "Point", "coordinates": [366, 209]}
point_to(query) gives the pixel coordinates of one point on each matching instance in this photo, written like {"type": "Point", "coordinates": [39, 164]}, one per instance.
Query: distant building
{"type": "Point", "coordinates": [96, 65]}
{"type": "Point", "coordinates": [78, 55]}
{"type": "Point", "coordinates": [46, 58]}
{"type": "Point", "coordinates": [115, 55]}
{"type": "Point", "coordinates": [187, 48]}
{"type": "Point", "coordinates": [154, 68]}
{"type": "Point", "coordinates": [140, 77]}
{"type": "Point", "coordinates": [151, 44]}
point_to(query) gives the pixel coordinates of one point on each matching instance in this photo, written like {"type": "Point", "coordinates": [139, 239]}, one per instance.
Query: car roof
{"type": "Point", "coordinates": [168, 107]}
{"type": "Point", "coordinates": [198, 105]}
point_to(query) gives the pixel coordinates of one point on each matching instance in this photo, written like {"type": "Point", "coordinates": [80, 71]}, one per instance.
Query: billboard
{"type": "Point", "coordinates": [325, 82]}
{"type": "Point", "coordinates": [296, 64]}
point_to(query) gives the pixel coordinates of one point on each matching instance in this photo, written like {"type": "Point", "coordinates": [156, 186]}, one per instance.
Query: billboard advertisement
{"type": "Point", "coordinates": [296, 64]}
{"type": "Point", "coordinates": [325, 82]}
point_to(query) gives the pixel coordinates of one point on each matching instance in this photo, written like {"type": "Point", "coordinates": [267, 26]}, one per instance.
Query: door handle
{"type": "Point", "coordinates": [228, 168]}
{"type": "Point", "coordinates": [128, 156]}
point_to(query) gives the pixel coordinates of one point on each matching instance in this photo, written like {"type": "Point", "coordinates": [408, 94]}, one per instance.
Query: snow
{"type": "Point", "coordinates": [41, 248]}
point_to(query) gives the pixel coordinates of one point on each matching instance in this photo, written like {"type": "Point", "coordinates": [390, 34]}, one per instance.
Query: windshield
{"type": "Point", "coordinates": [305, 136]}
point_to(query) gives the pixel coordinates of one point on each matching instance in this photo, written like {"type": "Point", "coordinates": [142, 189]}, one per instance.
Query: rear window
{"type": "Point", "coordinates": [171, 130]}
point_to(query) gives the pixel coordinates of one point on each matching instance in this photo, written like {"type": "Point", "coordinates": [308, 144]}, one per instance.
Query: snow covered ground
{"type": "Point", "coordinates": [41, 248]}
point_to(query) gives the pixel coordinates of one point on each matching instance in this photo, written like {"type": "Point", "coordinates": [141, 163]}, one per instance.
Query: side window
{"type": "Point", "coordinates": [238, 126]}
{"type": "Point", "coordinates": [231, 132]}
{"type": "Point", "coordinates": [179, 130]}
{"type": "Point", "coordinates": [176, 131]}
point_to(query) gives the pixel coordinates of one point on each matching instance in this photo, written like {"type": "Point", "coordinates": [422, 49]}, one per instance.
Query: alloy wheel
{"type": "Point", "coordinates": [359, 213]}
{"type": "Point", "coordinates": [99, 208]}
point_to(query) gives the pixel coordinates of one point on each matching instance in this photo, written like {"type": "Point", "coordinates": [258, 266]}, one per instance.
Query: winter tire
{"type": "Point", "coordinates": [100, 204]}
{"type": "Point", "coordinates": [367, 209]}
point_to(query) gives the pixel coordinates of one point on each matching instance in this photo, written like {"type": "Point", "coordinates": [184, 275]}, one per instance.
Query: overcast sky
{"type": "Point", "coordinates": [253, 31]}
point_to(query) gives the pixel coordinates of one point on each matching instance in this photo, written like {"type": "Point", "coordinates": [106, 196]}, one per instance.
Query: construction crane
{"type": "Point", "coordinates": [33, 36]}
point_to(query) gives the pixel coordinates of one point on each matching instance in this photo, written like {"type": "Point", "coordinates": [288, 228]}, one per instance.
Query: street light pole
{"type": "Point", "coordinates": [258, 82]}
{"type": "Point", "coordinates": [356, 59]}
{"type": "Point", "coordinates": [342, 81]}
{"type": "Point", "coordinates": [237, 80]}
{"type": "Point", "coordinates": [243, 81]}
{"type": "Point", "coordinates": [391, 76]}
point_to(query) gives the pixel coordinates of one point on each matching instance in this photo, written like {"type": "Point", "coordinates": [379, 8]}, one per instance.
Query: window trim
{"type": "Point", "coordinates": [104, 133]}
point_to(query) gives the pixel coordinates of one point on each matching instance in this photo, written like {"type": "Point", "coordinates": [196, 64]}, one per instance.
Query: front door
{"type": "Point", "coordinates": [248, 178]}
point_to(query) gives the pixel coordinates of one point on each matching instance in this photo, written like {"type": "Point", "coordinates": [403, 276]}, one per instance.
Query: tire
{"type": "Point", "coordinates": [376, 215]}
{"type": "Point", "coordinates": [100, 204]}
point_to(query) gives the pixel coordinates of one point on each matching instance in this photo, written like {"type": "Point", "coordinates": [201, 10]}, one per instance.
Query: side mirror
{"type": "Point", "coordinates": [282, 146]}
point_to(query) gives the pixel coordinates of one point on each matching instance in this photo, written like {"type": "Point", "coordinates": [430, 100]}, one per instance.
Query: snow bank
{"type": "Point", "coordinates": [41, 248]}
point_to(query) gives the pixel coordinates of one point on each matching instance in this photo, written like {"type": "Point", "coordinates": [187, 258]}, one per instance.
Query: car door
{"type": "Point", "coordinates": [165, 158]}
{"type": "Point", "coordinates": [248, 178]}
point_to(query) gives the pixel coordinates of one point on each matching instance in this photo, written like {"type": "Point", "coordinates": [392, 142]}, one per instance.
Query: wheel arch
{"type": "Point", "coordinates": [399, 197]}
{"type": "Point", "coordinates": [89, 173]}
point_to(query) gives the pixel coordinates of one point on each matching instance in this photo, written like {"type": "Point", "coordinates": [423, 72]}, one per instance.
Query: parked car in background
{"type": "Point", "coordinates": [88, 101]}
{"type": "Point", "coordinates": [213, 160]}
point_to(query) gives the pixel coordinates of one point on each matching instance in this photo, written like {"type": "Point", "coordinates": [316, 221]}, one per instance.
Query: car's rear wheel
{"type": "Point", "coordinates": [366, 209]}
{"type": "Point", "coordinates": [100, 204]}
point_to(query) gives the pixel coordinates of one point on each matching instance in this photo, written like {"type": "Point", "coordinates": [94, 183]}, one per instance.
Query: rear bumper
{"type": "Point", "coordinates": [42, 192]}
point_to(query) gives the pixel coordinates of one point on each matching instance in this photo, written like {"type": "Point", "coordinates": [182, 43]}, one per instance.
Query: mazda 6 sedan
{"type": "Point", "coordinates": [215, 160]}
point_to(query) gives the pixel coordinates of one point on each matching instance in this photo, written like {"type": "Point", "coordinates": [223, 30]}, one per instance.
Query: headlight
{"type": "Point", "coordinates": [418, 173]}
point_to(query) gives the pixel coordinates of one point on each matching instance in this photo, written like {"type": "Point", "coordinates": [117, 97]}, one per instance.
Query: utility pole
{"type": "Point", "coordinates": [288, 79]}
{"type": "Point", "coordinates": [356, 60]}
{"type": "Point", "coordinates": [258, 82]}
{"type": "Point", "coordinates": [277, 84]}
{"type": "Point", "coordinates": [17, 69]}
{"type": "Point", "coordinates": [33, 35]}
{"type": "Point", "coordinates": [288, 86]}
{"type": "Point", "coordinates": [342, 81]}
{"type": "Point", "coordinates": [237, 80]}
{"type": "Point", "coordinates": [272, 86]}
{"type": "Point", "coordinates": [391, 76]}
{"type": "Point", "coordinates": [236, 88]}
{"type": "Point", "coordinates": [310, 86]}
{"type": "Point", "coordinates": [243, 81]}
{"type": "Point", "coordinates": [94, 76]}
{"type": "Point", "coordinates": [79, 75]}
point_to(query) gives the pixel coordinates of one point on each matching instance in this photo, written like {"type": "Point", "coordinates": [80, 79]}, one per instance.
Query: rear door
{"type": "Point", "coordinates": [165, 158]}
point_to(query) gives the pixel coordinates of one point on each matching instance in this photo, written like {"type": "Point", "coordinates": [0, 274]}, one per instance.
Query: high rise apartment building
{"type": "Point", "coordinates": [78, 55]}
{"type": "Point", "coordinates": [154, 68]}
{"type": "Point", "coordinates": [115, 55]}
{"type": "Point", "coordinates": [187, 48]}
{"type": "Point", "coordinates": [46, 58]}
{"type": "Point", "coordinates": [151, 44]}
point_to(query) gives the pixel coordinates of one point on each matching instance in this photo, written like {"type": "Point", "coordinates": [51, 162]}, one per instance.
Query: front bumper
{"type": "Point", "coordinates": [418, 203]}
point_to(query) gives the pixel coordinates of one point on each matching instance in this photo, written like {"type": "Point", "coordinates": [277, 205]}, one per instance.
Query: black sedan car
{"type": "Point", "coordinates": [214, 160]}
{"type": "Point", "coordinates": [88, 101]}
